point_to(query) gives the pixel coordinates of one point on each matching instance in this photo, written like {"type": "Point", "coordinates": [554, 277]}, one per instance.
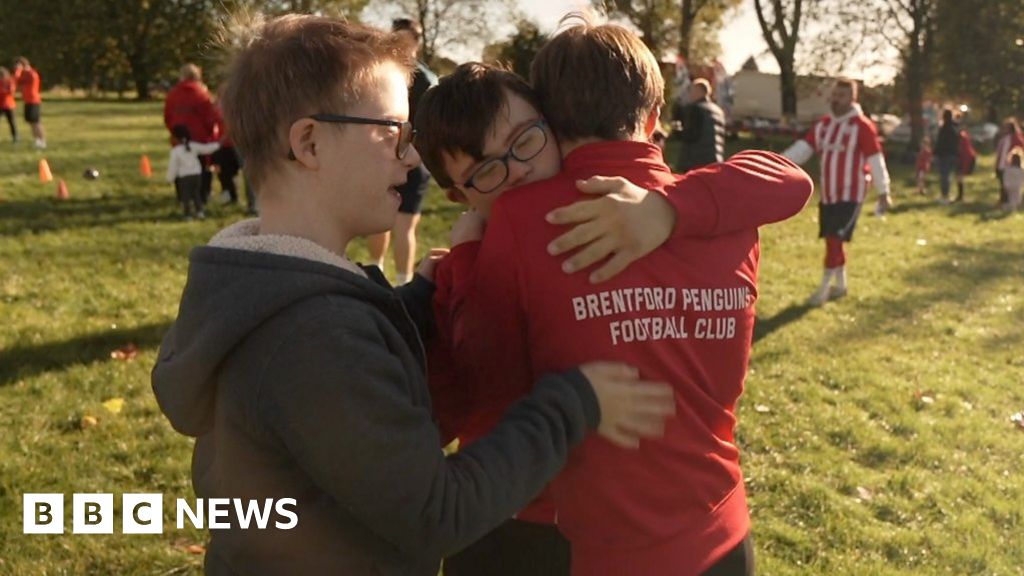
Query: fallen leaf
{"type": "Point", "coordinates": [864, 494]}
{"type": "Point", "coordinates": [88, 422]}
{"type": "Point", "coordinates": [127, 352]}
{"type": "Point", "coordinates": [761, 408]}
{"type": "Point", "coordinates": [922, 242]}
{"type": "Point", "coordinates": [114, 405]}
{"type": "Point", "coordinates": [1018, 419]}
{"type": "Point", "coordinates": [195, 549]}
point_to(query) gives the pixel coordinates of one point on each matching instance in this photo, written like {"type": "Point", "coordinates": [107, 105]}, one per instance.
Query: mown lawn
{"type": "Point", "coordinates": [876, 431]}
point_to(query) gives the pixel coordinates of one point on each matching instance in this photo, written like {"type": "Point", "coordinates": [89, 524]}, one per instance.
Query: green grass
{"type": "Point", "coordinates": [850, 469]}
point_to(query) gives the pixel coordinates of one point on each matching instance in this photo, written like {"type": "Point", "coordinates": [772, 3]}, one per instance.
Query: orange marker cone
{"type": "Point", "coordinates": [144, 167]}
{"type": "Point", "coordinates": [44, 171]}
{"type": "Point", "coordinates": [62, 190]}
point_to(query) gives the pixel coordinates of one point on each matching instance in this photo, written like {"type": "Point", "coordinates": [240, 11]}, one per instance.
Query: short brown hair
{"type": "Point", "coordinates": [293, 66]}
{"type": "Point", "coordinates": [190, 72]}
{"type": "Point", "coordinates": [458, 114]}
{"type": "Point", "coordinates": [596, 81]}
{"type": "Point", "coordinates": [848, 83]}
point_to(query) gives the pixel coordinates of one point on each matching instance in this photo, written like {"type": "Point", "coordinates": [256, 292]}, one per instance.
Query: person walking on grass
{"type": "Point", "coordinates": [846, 141]}
{"type": "Point", "coordinates": [313, 387]}
{"type": "Point", "coordinates": [28, 81]}
{"type": "Point", "coordinates": [186, 172]}
{"type": "Point", "coordinates": [7, 89]}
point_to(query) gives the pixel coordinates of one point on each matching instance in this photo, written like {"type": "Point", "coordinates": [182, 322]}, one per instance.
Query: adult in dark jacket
{"type": "Point", "coordinates": [947, 152]}
{"type": "Point", "coordinates": [301, 375]}
{"type": "Point", "coordinates": [703, 135]}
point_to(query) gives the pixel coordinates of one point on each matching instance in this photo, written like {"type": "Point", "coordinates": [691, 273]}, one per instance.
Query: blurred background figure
{"type": "Point", "coordinates": [403, 235]}
{"type": "Point", "coordinates": [28, 81]}
{"type": "Point", "coordinates": [703, 134]}
{"type": "Point", "coordinates": [189, 104]}
{"type": "Point", "coordinates": [7, 100]}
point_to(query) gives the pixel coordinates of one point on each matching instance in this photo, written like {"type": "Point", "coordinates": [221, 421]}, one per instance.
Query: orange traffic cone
{"type": "Point", "coordinates": [144, 167]}
{"type": "Point", "coordinates": [62, 190]}
{"type": "Point", "coordinates": [44, 171]}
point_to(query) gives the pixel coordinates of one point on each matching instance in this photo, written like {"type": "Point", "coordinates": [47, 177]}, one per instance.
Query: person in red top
{"type": "Point", "coordinates": [189, 104]}
{"type": "Point", "coordinates": [7, 100]}
{"type": "Point", "coordinates": [968, 157]}
{"type": "Point", "coordinates": [508, 300]}
{"type": "Point", "coordinates": [923, 163]}
{"type": "Point", "coordinates": [28, 81]}
{"type": "Point", "coordinates": [851, 154]}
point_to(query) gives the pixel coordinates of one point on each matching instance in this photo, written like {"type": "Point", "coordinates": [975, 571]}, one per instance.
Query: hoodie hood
{"type": "Point", "coordinates": [236, 283]}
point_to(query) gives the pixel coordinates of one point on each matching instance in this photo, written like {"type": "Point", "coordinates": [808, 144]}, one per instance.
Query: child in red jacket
{"type": "Point", "coordinates": [481, 134]}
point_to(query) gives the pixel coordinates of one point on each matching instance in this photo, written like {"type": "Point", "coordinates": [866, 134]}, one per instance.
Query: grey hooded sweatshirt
{"type": "Point", "coordinates": [302, 376]}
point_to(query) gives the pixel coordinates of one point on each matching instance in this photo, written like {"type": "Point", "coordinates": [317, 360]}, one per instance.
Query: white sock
{"type": "Point", "coordinates": [840, 277]}
{"type": "Point", "coordinates": [826, 278]}
{"type": "Point", "coordinates": [380, 264]}
{"type": "Point", "coordinates": [401, 279]}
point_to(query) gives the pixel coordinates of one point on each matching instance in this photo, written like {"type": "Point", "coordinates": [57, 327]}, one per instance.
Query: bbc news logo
{"type": "Point", "coordinates": [144, 513]}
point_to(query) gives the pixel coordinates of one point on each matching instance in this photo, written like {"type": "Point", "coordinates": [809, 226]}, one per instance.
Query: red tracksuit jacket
{"type": "Point", "coordinates": [684, 315]}
{"type": "Point", "coordinates": [189, 103]}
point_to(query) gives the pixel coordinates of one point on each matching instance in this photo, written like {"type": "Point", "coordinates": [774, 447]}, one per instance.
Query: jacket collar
{"type": "Point", "coordinates": [245, 235]}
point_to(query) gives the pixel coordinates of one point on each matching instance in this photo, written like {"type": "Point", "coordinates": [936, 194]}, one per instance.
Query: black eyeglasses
{"type": "Point", "coordinates": [406, 133]}
{"type": "Point", "coordinates": [490, 175]}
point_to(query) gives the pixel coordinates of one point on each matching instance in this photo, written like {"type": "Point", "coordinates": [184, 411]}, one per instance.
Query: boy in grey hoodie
{"type": "Point", "coordinates": [301, 375]}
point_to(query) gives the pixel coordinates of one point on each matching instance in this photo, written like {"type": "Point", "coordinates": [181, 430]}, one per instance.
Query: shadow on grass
{"type": "Point", "coordinates": [765, 326]}
{"type": "Point", "coordinates": [966, 273]}
{"type": "Point", "coordinates": [48, 215]}
{"type": "Point", "coordinates": [22, 362]}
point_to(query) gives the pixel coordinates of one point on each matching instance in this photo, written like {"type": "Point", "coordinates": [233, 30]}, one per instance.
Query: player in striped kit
{"type": "Point", "coordinates": [847, 141]}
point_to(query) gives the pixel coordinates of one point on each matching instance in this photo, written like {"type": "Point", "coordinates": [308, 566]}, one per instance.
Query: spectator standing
{"type": "Point", "coordinates": [189, 104]}
{"type": "Point", "coordinates": [947, 152]}
{"type": "Point", "coordinates": [703, 132]}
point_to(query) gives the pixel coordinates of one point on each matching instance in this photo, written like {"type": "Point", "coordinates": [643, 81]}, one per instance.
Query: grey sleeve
{"type": "Point", "coordinates": [341, 404]}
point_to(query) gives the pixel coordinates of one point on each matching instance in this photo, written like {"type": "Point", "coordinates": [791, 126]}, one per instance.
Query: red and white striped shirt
{"type": "Point", "coordinates": [844, 144]}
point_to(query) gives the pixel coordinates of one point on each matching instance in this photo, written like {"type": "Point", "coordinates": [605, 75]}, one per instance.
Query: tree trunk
{"type": "Point", "coordinates": [141, 87]}
{"type": "Point", "coordinates": [787, 83]}
{"type": "Point", "coordinates": [686, 21]}
{"type": "Point", "coordinates": [915, 97]}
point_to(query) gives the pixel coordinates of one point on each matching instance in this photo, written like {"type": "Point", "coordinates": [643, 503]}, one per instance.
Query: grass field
{"type": "Point", "coordinates": [876, 431]}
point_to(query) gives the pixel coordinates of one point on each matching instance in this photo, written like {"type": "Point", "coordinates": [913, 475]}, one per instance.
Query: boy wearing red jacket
{"type": "Point", "coordinates": [507, 309]}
